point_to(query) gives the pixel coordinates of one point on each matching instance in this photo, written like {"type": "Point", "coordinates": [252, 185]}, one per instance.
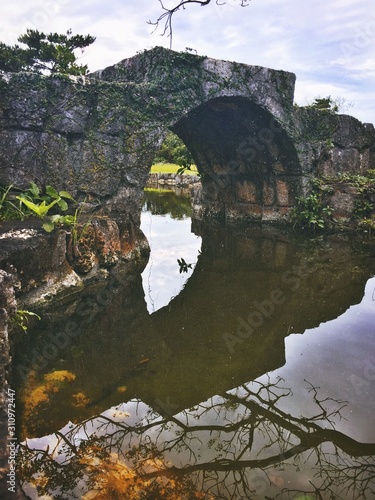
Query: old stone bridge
{"type": "Point", "coordinates": [97, 136]}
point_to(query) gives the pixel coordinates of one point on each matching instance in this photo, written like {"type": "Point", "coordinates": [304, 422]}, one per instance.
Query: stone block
{"type": "Point", "coordinates": [342, 204]}
{"type": "Point", "coordinates": [351, 133]}
{"type": "Point", "coordinates": [282, 189]}
{"type": "Point", "coordinates": [346, 160]}
{"type": "Point", "coordinates": [268, 194]}
{"type": "Point", "coordinates": [246, 191]}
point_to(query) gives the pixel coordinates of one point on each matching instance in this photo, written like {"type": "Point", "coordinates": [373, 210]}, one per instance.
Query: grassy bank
{"type": "Point", "coordinates": [171, 168]}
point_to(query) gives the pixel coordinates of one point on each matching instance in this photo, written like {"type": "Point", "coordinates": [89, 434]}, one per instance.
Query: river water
{"type": "Point", "coordinates": [250, 375]}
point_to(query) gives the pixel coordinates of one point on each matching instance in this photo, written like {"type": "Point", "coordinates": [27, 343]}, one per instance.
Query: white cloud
{"type": "Point", "coordinates": [359, 100]}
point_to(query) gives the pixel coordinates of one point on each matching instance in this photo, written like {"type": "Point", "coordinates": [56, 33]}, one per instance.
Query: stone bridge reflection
{"type": "Point", "coordinates": [250, 289]}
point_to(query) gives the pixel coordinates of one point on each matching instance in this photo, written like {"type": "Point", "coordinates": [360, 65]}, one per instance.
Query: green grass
{"type": "Point", "coordinates": [158, 190]}
{"type": "Point", "coordinates": [171, 168]}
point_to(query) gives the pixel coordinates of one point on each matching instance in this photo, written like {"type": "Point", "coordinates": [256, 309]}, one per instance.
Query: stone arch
{"type": "Point", "coordinates": [97, 136]}
{"type": "Point", "coordinates": [248, 163]}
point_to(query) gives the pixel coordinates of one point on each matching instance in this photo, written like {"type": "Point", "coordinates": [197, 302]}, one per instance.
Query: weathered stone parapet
{"type": "Point", "coordinates": [193, 80]}
{"type": "Point", "coordinates": [329, 144]}
{"type": "Point", "coordinates": [70, 135]}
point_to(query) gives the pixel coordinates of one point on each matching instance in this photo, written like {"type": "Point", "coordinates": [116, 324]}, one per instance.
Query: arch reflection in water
{"type": "Point", "coordinates": [240, 444]}
{"type": "Point", "coordinates": [181, 353]}
{"type": "Point", "coordinates": [180, 356]}
{"type": "Point", "coordinates": [166, 222]}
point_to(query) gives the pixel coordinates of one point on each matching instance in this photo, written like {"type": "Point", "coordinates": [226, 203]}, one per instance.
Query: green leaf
{"type": "Point", "coordinates": [40, 210]}
{"type": "Point", "coordinates": [48, 226]}
{"type": "Point", "coordinates": [62, 204]}
{"type": "Point", "coordinates": [48, 207]}
{"type": "Point", "coordinates": [32, 206]}
{"type": "Point", "coordinates": [56, 218]}
{"type": "Point", "coordinates": [69, 220]}
{"type": "Point", "coordinates": [65, 194]}
{"type": "Point", "coordinates": [28, 313]}
{"type": "Point", "coordinates": [21, 318]}
{"type": "Point", "coordinates": [52, 192]}
{"type": "Point", "coordinates": [34, 190]}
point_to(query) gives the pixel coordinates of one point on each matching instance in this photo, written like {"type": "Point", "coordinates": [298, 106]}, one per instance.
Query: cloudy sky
{"type": "Point", "coordinates": [328, 44]}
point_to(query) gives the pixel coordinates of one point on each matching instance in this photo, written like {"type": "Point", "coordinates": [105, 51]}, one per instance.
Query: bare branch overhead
{"type": "Point", "coordinates": [165, 19]}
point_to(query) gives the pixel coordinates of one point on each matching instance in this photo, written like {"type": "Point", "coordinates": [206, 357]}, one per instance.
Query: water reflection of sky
{"type": "Point", "coordinates": [339, 357]}
{"type": "Point", "coordinates": [169, 239]}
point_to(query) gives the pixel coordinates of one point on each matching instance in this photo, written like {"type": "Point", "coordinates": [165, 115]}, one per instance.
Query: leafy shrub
{"type": "Point", "coordinates": [362, 208]}
{"type": "Point", "coordinates": [309, 212]}
{"type": "Point", "coordinates": [33, 201]}
{"type": "Point", "coordinates": [45, 53]}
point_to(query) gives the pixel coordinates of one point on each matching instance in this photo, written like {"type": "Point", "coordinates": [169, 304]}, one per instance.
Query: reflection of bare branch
{"type": "Point", "coordinates": [242, 431]}
{"type": "Point", "coordinates": [229, 465]}
{"type": "Point", "coordinates": [314, 435]}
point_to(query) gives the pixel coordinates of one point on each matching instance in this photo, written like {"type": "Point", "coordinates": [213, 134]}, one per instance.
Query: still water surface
{"type": "Point", "coordinates": [166, 222]}
{"type": "Point", "coordinates": [250, 376]}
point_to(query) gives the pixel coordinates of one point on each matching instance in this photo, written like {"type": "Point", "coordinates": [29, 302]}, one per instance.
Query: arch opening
{"type": "Point", "coordinates": [248, 164]}
{"type": "Point", "coordinates": [166, 222]}
{"type": "Point", "coordinates": [172, 165]}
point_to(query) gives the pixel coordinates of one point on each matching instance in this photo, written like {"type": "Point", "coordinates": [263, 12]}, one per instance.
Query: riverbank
{"type": "Point", "coordinates": [176, 180]}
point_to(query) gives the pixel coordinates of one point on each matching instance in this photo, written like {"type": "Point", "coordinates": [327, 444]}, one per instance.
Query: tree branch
{"type": "Point", "coordinates": [167, 15]}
